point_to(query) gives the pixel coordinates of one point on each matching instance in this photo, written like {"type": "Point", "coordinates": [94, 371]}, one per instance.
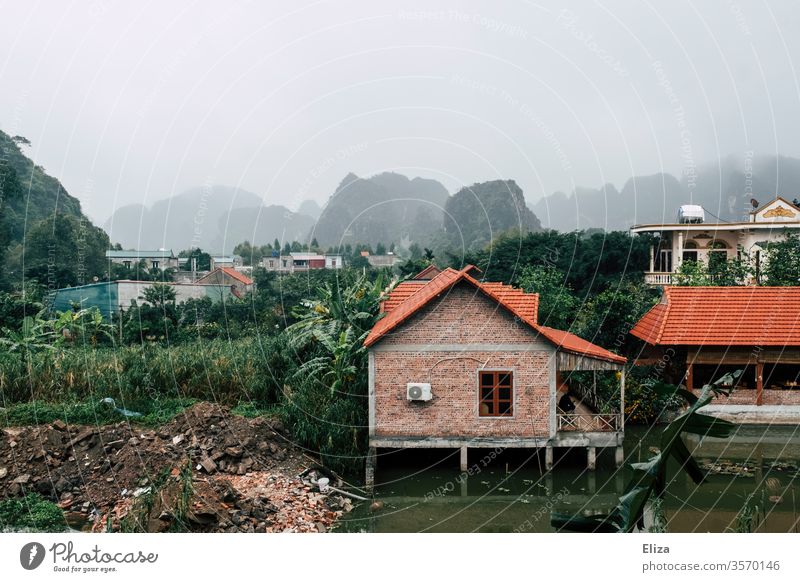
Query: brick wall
{"type": "Point", "coordinates": [748, 396]}
{"type": "Point", "coordinates": [460, 317]}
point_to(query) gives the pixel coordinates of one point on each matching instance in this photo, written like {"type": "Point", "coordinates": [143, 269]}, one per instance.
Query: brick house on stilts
{"type": "Point", "coordinates": [460, 363]}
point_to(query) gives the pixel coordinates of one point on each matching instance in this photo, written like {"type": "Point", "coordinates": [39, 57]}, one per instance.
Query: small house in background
{"type": "Point", "coordinates": [697, 334]}
{"type": "Point", "coordinates": [300, 261]}
{"type": "Point", "coordinates": [160, 259]}
{"type": "Point", "coordinates": [239, 283]}
{"type": "Point", "coordinates": [691, 238]}
{"type": "Point", "coordinates": [231, 261]}
{"type": "Point", "coordinates": [460, 363]}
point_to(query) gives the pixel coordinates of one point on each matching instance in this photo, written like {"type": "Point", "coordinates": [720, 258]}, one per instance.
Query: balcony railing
{"type": "Point", "coordinates": [653, 278]}
{"type": "Point", "coordinates": [589, 422]}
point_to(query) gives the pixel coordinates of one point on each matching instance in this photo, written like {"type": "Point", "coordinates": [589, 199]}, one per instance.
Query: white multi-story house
{"type": "Point", "coordinates": [691, 238]}
{"type": "Point", "coordinates": [302, 262]}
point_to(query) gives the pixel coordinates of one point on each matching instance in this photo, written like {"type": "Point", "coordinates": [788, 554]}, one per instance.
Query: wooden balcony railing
{"type": "Point", "coordinates": [589, 422]}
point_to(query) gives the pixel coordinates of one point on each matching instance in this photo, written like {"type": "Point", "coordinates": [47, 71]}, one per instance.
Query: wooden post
{"type": "Point", "coordinates": [463, 459]}
{"type": "Point", "coordinates": [548, 458]}
{"type": "Point", "coordinates": [591, 458]}
{"type": "Point", "coordinates": [690, 376]}
{"type": "Point", "coordinates": [759, 383]}
{"type": "Point", "coordinates": [621, 426]}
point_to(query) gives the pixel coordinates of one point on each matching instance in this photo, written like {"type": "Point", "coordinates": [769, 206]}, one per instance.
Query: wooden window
{"type": "Point", "coordinates": [496, 393]}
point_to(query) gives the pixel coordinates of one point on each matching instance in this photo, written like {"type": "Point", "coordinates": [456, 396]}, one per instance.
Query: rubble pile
{"type": "Point", "coordinates": [245, 475]}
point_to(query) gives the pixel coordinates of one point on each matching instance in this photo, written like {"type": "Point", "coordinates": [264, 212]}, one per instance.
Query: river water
{"type": "Point", "coordinates": [424, 491]}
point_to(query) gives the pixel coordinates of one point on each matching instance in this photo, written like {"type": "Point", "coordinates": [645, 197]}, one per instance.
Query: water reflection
{"type": "Point", "coordinates": [424, 491]}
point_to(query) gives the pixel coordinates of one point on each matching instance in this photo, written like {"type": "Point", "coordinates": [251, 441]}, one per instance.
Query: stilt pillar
{"type": "Point", "coordinates": [463, 459]}
{"type": "Point", "coordinates": [548, 458]}
{"type": "Point", "coordinates": [619, 456]}
{"type": "Point", "coordinates": [591, 458]}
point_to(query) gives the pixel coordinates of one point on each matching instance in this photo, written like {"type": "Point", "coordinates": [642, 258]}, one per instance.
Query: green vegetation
{"type": "Point", "coordinates": [31, 512]}
{"type": "Point", "coordinates": [154, 412]}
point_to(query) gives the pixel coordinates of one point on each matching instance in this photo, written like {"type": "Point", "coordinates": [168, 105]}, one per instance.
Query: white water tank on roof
{"type": "Point", "coordinates": [691, 214]}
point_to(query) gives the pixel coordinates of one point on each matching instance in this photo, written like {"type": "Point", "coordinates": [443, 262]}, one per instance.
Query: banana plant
{"type": "Point", "coordinates": [35, 334]}
{"type": "Point", "coordinates": [649, 479]}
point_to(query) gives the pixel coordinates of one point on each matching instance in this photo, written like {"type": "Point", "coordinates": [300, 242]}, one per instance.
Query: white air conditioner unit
{"type": "Point", "coordinates": [418, 391]}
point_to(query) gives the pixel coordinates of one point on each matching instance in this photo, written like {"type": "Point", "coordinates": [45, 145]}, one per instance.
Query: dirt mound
{"type": "Point", "coordinates": [244, 474]}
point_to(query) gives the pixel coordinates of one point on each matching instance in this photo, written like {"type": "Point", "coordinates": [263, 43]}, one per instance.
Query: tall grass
{"type": "Point", "coordinates": [246, 370]}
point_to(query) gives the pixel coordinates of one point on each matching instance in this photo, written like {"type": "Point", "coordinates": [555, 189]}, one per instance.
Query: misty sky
{"type": "Point", "coordinates": [131, 102]}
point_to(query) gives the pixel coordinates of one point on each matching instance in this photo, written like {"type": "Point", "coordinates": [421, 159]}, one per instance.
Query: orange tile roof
{"type": "Point", "coordinates": [411, 296]}
{"type": "Point", "coordinates": [231, 272]}
{"type": "Point", "coordinates": [723, 316]}
{"type": "Point", "coordinates": [400, 293]}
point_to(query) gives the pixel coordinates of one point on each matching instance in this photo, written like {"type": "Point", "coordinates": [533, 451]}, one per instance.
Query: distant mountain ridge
{"type": "Point", "coordinates": [213, 218]}
{"type": "Point", "coordinates": [724, 190]}
{"type": "Point", "coordinates": [386, 208]}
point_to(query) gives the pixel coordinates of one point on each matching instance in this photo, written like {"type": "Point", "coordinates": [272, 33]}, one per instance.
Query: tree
{"type": "Point", "coordinates": [557, 302]}
{"type": "Point", "coordinates": [607, 318]}
{"type": "Point", "coordinates": [160, 295]}
{"type": "Point", "coordinates": [782, 265]}
{"type": "Point", "coordinates": [380, 249]}
{"type": "Point", "coordinates": [202, 258]}
{"type": "Point", "coordinates": [326, 409]}
{"type": "Point", "coordinates": [65, 251]}
{"type": "Point", "coordinates": [692, 274]}
{"type": "Point", "coordinates": [10, 189]}
{"type": "Point", "coordinates": [251, 255]}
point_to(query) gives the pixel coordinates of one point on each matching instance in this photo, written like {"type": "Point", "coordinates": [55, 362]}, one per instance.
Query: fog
{"type": "Point", "coordinates": [134, 102]}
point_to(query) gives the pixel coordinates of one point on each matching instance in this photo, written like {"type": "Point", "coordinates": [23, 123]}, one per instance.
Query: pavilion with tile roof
{"type": "Point", "coordinates": [704, 332]}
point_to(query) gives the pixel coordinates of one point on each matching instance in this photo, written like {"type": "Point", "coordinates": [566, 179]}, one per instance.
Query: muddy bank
{"type": "Point", "coordinates": [206, 470]}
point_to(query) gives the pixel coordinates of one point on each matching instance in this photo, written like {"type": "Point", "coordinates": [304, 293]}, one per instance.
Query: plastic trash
{"type": "Point", "coordinates": [122, 411]}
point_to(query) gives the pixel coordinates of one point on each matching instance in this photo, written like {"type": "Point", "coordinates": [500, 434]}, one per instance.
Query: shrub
{"type": "Point", "coordinates": [31, 512]}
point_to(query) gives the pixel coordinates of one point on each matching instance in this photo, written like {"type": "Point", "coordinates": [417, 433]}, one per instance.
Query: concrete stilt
{"type": "Point", "coordinates": [592, 483]}
{"type": "Point", "coordinates": [619, 456]}
{"type": "Point", "coordinates": [463, 459]}
{"type": "Point", "coordinates": [548, 458]}
{"type": "Point", "coordinates": [591, 458]}
{"type": "Point", "coordinates": [369, 480]}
